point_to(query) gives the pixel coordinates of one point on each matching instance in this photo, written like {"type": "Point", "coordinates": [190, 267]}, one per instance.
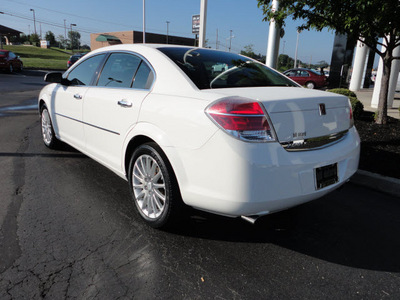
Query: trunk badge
{"type": "Point", "coordinates": [322, 109]}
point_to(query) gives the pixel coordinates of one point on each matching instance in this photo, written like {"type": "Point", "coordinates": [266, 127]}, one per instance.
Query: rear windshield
{"type": "Point", "coordinates": [210, 69]}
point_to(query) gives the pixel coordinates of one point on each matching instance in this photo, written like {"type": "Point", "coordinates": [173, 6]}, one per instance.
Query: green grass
{"type": "Point", "coordinates": [39, 58]}
{"type": "Point", "coordinates": [45, 63]}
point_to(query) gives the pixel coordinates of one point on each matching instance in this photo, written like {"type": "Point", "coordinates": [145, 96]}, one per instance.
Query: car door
{"type": "Point", "coordinates": [67, 102]}
{"type": "Point", "coordinates": [302, 77]}
{"type": "Point", "coordinates": [112, 107]}
{"type": "Point", "coordinates": [13, 60]}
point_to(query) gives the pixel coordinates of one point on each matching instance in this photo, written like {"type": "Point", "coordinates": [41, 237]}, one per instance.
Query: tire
{"type": "Point", "coordinates": [21, 68]}
{"type": "Point", "coordinates": [10, 68]}
{"type": "Point", "coordinates": [48, 135]}
{"type": "Point", "coordinates": [310, 85]}
{"type": "Point", "coordinates": [154, 188]}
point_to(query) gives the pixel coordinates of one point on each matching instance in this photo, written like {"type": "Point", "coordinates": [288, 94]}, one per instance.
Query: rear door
{"type": "Point", "coordinates": [302, 77]}
{"type": "Point", "coordinates": [112, 107]}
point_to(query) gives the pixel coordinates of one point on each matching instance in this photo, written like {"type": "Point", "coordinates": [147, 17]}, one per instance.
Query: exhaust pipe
{"type": "Point", "coordinates": [250, 219]}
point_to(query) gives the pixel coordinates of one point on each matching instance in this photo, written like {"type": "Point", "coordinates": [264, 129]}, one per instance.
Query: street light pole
{"type": "Point", "coordinates": [72, 48]}
{"type": "Point", "coordinates": [230, 40]}
{"type": "Point", "coordinates": [144, 21]}
{"type": "Point", "coordinates": [1, 37]}
{"type": "Point", "coordinates": [167, 29]}
{"type": "Point", "coordinates": [203, 21]}
{"type": "Point", "coordinates": [297, 46]}
{"type": "Point", "coordinates": [34, 19]}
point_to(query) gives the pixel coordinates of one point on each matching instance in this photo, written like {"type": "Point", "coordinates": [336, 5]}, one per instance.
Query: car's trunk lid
{"type": "Point", "coordinates": [299, 114]}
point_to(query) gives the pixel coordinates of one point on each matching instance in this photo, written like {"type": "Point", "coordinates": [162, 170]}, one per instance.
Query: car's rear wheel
{"type": "Point", "coordinates": [153, 185]}
{"type": "Point", "coordinates": [310, 85]}
{"type": "Point", "coordinates": [48, 135]}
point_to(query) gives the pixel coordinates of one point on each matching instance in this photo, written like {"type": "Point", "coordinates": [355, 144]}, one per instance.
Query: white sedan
{"type": "Point", "coordinates": [242, 140]}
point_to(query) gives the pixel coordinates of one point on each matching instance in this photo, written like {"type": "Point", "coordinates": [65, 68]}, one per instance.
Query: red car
{"type": "Point", "coordinates": [9, 61]}
{"type": "Point", "coordinates": [309, 78]}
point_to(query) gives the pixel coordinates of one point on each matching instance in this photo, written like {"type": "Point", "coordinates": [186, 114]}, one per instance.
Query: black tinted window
{"type": "Point", "coordinates": [144, 77]}
{"type": "Point", "coordinates": [84, 72]}
{"type": "Point", "coordinates": [216, 69]}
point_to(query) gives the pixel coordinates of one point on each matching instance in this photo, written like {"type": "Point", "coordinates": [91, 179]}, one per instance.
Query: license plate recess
{"type": "Point", "coordinates": [326, 175]}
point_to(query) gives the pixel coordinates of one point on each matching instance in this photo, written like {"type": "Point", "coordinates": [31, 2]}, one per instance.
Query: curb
{"type": "Point", "coordinates": [377, 182]}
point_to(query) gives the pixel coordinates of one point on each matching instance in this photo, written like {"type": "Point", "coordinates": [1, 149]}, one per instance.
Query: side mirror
{"type": "Point", "coordinates": [53, 77]}
{"type": "Point", "coordinates": [56, 77]}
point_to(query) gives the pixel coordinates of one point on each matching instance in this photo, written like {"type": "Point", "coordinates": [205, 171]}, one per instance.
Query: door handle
{"type": "Point", "coordinates": [124, 103]}
{"type": "Point", "coordinates": [77, 96]}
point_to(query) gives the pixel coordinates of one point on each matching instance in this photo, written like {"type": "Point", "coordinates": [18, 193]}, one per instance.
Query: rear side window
{"type": "Point", "coordinates": [304, 74]}
{"type": "Point", "coordinates": [83, 73]}
{"type": "Point", "coordinates": [144, 77]}
{"type": "Point", "coordinates": [119, 70]}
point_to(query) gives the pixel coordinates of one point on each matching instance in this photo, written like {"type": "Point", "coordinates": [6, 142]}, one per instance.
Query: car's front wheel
{"type": "Point", "coordinates": [154, 187]}
{"type": "Point", "coordinates": [48, 135]}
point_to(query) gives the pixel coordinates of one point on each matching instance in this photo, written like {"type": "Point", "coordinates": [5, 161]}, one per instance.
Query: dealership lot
{"type": "Point", "coordinates": [68, 229]}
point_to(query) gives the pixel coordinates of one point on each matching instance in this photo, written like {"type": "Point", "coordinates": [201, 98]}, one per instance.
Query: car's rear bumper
{"type": "Point", "coordinates": [233, 178]}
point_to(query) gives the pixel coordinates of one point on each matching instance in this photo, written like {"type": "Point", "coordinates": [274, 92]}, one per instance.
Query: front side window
{"type": "Point", "coordinates": [209, 69]}
{"type": "Point", "coordinates": [83, 73]}
{"type": "Point", "coordinates": [11, 55]}
{"type": "Point", "coordinates": [119, 70]}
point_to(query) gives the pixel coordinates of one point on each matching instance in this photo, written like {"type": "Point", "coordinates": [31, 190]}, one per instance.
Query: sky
{"type": "Point", "coordinates": [243, 17]}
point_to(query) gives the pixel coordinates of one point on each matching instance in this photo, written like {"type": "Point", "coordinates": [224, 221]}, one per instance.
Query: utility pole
{"type": "Point", "coordinates": [34, 20]}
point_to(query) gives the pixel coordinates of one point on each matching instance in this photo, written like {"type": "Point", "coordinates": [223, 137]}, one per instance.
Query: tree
{"type": "Point", "coordinates": [85, 47]}
{"type": "Point", "coordinates": [34, 39]}
{"type": "Point", "coordinates": [62, 42]}
{"type": "Point", "coordinates": [321, 64]}
{"type": "Point", "coordinates": [365, 20]}
{"type": "Point", "coordinates": [285, 62]}
{"type": "Point", "coordinates": [50, 38]}
{"type": "Point", "coordinates": [248, 51]}
{"type": "Point", "coordinates": [75, 39]}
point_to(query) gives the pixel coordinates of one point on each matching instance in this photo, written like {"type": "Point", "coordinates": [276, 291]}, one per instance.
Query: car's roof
{"type": "Point", "coordinates": [305, 69]}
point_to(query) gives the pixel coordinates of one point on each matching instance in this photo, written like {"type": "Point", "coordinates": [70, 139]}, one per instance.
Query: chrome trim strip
{"type": "Point", "coordinates": [314, 143]}
{"type": "Point", "coordinates": [237, 115]}
{"type": "Point", "coordinates": [91, 125]}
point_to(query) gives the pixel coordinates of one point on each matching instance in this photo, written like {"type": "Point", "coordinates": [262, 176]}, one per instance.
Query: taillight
{"type": "Point", "coordinates": [242, 118]}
